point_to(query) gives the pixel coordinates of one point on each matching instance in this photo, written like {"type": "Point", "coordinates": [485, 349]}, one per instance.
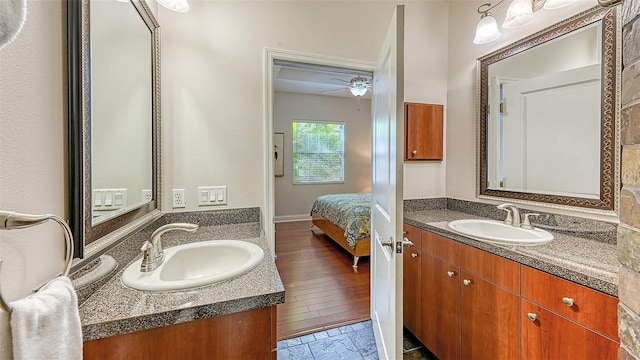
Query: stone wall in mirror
{"type": "Point", "coordinates": [114, 114]}
{"type": "Point", "coordinates": [548, 116]}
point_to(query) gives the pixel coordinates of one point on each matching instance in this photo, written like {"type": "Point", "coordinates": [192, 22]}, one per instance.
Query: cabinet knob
{"type": "Point", "coordinates": [414, 152]}
{"type": "Point", "coordinates": [414, 255]}
{"type": "Point", "coordinates": [450, 273]}
{"type": "Point", "coordinates": [532, 316]}
{"type": "Point", "coordinates": [567, 301]}
{"type": "Point", "coordinates": [466, 282]}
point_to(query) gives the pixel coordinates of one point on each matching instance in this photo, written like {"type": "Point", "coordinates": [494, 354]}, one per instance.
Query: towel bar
{"type": "Point", "coordinates": [10, 220]}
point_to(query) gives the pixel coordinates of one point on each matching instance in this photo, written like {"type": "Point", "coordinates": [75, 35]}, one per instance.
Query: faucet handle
{"type": "Point", "coordinates": [509, 219]}
{"type": "Point", "coordinates": [146, 249]}
{"type": "Point", "coordinates": [526, 223]}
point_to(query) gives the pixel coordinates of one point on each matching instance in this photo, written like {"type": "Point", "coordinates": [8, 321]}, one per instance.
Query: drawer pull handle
{"type": "Point", "coordinates": [414, 152]}
{"type": "Point", "coordinates": [532, 316]}
{"type": "Point", "coordinates": [567, 301]}
{"type": "Point", "coordinates": [450, 273]}
{"type": "Point", "coordinates": [466, 282]}
{"type": "Point", "coordinates": [414, 255]}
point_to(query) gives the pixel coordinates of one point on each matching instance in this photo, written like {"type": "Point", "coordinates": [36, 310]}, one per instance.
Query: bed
{"type": "Point", "coordinates": [345, 219]}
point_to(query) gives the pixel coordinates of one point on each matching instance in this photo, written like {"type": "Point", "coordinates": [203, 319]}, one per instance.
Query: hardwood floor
{"type": "Point", "coordinates": [322, 290]}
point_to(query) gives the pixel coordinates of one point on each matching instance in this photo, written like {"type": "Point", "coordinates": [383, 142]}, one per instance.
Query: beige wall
{"type": "Point", "coordinates": [213, 82]}
{"type": "Point", "coordinates": [461, 106]}
{"type": "Point", "coordinates": [294, 201]}
{"type": "Point", "coordinates": [33, 147]}
{"type": "Point", "coordinates": [425, 81]}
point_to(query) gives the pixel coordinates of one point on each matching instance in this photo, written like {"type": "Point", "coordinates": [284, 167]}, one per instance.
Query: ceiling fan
{"type": "Point", "coordinates": [358, 86]}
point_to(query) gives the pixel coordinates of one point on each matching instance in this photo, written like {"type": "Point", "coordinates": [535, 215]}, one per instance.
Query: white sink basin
{"type": "Point", "coordinates": [196, 264]}
{"type": "Point", "coordinates": [499, 233]}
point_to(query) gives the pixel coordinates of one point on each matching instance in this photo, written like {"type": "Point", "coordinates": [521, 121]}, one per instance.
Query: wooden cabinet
{"type": "Point", "coordinates": [423, 131]}
{"type": "Point", "coordinates": [462, 309]}
{"type": "Point", "coordinates": [546, 335]}
{"type": "Point", "coordinates": [440, 307]}
{"type": "Point", "coordinates": [476, 305]}
{"type": "Point", "coordinates": [561, 319]}
{"type": "Point", "coordinates": [245, 335]}
{"type": "Point", "coordinates": [490, 320]}
{"type": "Point", "coordinates": [412, 281]}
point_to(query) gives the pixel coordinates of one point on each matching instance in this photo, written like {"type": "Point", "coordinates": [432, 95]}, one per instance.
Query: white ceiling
{"type": "Point", "coordinates": [315, 80]}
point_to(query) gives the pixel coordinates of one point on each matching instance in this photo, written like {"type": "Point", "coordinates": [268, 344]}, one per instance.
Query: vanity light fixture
{"type": "Point", "coordinates": [359, 86]}
{"type": "Point", "coordinates": [175, 5]}
{"type": "Point", "coordinates": [519, 13]}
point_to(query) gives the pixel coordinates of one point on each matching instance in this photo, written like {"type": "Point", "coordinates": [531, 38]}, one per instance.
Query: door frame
{"type": "Point", "coordinates": [270, 56]}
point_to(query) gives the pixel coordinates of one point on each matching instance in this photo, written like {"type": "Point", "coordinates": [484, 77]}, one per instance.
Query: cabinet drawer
{"type": "Point", "coordinates": [589, 307]}
{"type": "Point", "coordinates": [546, 335]}
{"type": "Point", "coordinates": [498, 270]}
{"type": "Point", "coordinates": [441, 247]}
{"type": "Point", "coordinates": [413, 234]}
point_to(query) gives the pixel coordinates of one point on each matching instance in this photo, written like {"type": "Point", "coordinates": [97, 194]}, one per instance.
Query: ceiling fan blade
{"type": "Point", "coordinates": [344, 81]}
{"type": "Point", "coordinates": [328, 91]}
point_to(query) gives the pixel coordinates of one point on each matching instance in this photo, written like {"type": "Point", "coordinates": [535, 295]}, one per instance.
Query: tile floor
{"type": "Point", "coordinates": [350, 342]}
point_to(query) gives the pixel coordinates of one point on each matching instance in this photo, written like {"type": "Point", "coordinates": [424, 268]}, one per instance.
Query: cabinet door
{"type": "Point", "coordinates": [490, 320]}
{"type": "Point", "coordinates": [423, 131]}
{"type": "Point", "coordinates": [412, 311]}
{"type": "Point", "coordinates": [546, 335]}
{"type": "Point", "coordinates": [440, 307]}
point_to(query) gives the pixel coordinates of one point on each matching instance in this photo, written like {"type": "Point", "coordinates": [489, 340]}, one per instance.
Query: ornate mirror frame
{"type": "Point", "coordinates": [608, 203]}
{"type": "Point", "coordinates": [103, 234]}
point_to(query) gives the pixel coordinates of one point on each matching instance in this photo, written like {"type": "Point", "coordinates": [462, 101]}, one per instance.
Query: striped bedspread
{"type": "Point", "coordinates": [351, 212]}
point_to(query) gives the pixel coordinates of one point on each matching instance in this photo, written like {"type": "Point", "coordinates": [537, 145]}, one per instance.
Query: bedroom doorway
{"type": "Point", "coordinates": [323, 290]}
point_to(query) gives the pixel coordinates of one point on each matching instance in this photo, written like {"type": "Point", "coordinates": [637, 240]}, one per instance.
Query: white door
{"type": "Point", "coordinates": [386, 194]}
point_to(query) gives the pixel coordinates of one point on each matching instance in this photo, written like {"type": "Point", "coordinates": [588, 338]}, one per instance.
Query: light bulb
{"type": "Point", "coordinates": [557, 4]}
{"type": "Point", "coordinates": [175, 5]}
{"type": "Point", "coordinates": [358, 89]}
{"type": "Point", "coordinates": [519, 13]}
{"type": "Point", "coordinates": [487, 30]}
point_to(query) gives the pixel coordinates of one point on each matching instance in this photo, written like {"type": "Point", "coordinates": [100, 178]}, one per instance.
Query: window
{"type": "Point", "coordinates": [318, 152]}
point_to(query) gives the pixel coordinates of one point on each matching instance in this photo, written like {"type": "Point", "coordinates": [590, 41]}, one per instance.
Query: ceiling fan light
{"type": "Point", "coordinates": [175, 5]}
{"type": "Point", "coordinates": [519, 13]}
{"type": "Point", "coordinates": [358, 90]}
{"type": "Point", "coordinates": [487, 30]}
{"type": "Point", "coordinates": [557, 4]}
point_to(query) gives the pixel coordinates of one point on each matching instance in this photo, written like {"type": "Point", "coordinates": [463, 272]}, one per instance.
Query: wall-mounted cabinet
{"type": "Point", "coordinates": [423, 131]}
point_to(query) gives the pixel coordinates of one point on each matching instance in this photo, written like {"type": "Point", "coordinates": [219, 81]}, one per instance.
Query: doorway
{"type": "Point", "coordinates": [323, 290]}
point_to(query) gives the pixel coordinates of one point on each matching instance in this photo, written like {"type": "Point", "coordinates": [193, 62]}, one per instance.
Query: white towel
{"type": "Point", "coordinates": [13, 14]}
{"type": "Point", "coordinates": [46, 325]}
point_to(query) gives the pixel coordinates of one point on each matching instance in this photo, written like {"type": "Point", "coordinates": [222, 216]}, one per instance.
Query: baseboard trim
{"type": "Point", "coordinates": [291, 218]}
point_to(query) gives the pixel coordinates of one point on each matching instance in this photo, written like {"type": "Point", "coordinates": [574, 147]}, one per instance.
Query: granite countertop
{"type": "Point", "coordinates": [584, 261]}
{"type": "Point", "coordinates": [115, 309]}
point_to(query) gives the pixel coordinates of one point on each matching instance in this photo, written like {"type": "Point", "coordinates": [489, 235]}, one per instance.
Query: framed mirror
{"type": "Point", "coordinates": [548, 117]}
{"type": "Point", "coordinates": [114, 119]}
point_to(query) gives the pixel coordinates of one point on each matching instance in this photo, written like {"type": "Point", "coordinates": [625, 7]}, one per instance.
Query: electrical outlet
{"type": "Point", "coordinates": [179, 199]}
{"type": "Point", "coordinates": [147, 195]}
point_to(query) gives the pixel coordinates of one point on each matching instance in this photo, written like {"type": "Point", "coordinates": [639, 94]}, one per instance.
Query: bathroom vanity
{"type": "Point", "coordinates": [235, 318]}
{"type": "Point", "coordinates": [466, 299]}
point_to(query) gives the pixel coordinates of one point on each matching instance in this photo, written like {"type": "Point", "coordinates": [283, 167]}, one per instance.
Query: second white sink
{"type": "Point", "coordinates": [196, 264]}
{"type": "Point", "coordinates": [500, 233]}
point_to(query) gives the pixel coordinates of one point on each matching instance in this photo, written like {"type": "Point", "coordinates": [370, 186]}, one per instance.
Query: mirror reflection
{"type": "Point", "coordinates": [548, 117]}
{"type": "Point", "coordinates": [544, 117]}
{"type": "Point", "coordinates": [121, 109]}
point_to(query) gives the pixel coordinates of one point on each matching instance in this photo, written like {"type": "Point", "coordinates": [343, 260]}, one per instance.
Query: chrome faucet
{"type": "Point", "coordinates": [513, 214]}
{"type": "Point", "coordinates": [152, 253]}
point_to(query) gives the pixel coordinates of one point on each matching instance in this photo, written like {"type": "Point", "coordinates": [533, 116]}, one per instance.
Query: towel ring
{"type": "Point", "coordinates": [10, 220]}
